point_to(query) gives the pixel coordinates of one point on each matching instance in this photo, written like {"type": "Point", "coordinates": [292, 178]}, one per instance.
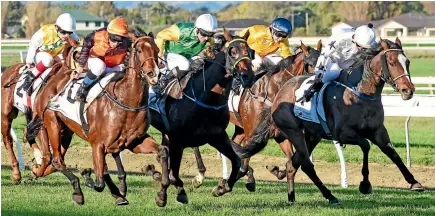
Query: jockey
{"type": "Point", "coordinates": [266, 40]}
{"type": "Point", "coordinates": [46, 43]}
{"type": "Point", "coordinates": [183, 45]}
{"type": "Point", "coordinates": [104, 50]}
{"type": "Point", "coordinates": [341, 54]}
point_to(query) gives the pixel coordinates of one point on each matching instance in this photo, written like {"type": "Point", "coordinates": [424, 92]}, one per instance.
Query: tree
{"type": "Point", "coordinates": [102, 9]}
{"type": "Point", "coordinates": [355, 11]}
{"type": "Point", "coordinates": [5, 9]}
{"type": "Point", "coordinates": [429, 8]}
{"type": "Point", "coordinates": [38, 14]}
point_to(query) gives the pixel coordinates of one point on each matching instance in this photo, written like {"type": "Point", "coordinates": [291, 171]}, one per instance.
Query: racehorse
{"type": "Point", "coordinates": [202, 115]}
{"type": "Point", "coordinates": [353, 115]}
{"type": "Point", "coordinates": [117, 121]}
{"type": "Point", "coordinates": [251, 128]}
{"type": "Point", "coordinates": [9, 81]}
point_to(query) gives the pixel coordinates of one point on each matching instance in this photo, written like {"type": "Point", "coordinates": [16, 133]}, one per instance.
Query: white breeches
{"type": "Point", "coordinates": [272, 58]}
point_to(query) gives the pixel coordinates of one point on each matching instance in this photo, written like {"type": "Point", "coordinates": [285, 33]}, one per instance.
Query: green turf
{"type": "Point", "coordinates": [421, 137]}
{"type": "Point", "coordinates": [5, 47]}
{"type": "Point", "coordinates": [52, 196]}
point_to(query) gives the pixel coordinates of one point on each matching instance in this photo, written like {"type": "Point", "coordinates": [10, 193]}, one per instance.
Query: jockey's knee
{"type": "Point", "coordinates": [176, 60]}
{"type": "Point", "coordinates": [96, 66]}
{"type": "Point", "coordinates": [330, 75]}
{"type": "Point", "coordinates": [44, 59]}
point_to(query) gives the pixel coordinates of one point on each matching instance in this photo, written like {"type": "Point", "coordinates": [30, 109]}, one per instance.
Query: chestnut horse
{"type": "Point", "coordinates": [353, 115]}
{"type": "Point", "coordinates": [8, 112]}
{"type": "Point", "coordinates": [117, 121]}
{"type": "Point", "coordinates": [251, 129]}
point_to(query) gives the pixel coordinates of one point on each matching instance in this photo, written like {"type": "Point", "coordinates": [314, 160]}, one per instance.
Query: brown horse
{"type": "Point", "coordinates": [9, 112]}
{"type": "Point", "coordinates": [115, 123]}
{"type": "Point", "coordinates": [251, 129]}
{"type": "Point", "coordinates": [353, 115]}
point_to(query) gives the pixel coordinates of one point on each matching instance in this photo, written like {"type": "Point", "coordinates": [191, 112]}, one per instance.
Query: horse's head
{"type": "Point", "coordinates": [237, 58]}
{"type": "Point", "coordinates": [395, 68]}
{"type": "Point", "coordinates": [143, 57]}
{"type": "Point", "coordinates": [68, 50]}
{"type": "Point", "coordinates": [311, 56]}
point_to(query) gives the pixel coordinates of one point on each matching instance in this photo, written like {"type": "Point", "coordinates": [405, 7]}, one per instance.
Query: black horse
{"type": "Point", "coordinates": [353, 115]}
{"type": "Point", "coordinates": [202, 115]}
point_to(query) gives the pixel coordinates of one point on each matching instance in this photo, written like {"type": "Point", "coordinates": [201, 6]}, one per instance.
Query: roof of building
{"type": "Point", "coordinates": [241, 23]}
{"type": "Point", "coordinates": [410, 20]}
{"type": "Point", "coordinates": [82, 16]}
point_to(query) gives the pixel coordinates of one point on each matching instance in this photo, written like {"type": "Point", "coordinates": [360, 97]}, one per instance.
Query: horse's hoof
{"type": "Point", "coordinates": [121, 201]}
{"type": "Point", "coordinates": [99, 189]}
{"type": "Point", "coordinates": [272, 169]}
{"type": "Point", "coordinates": [148, 168]}
{"type": "Point", "coordinates": [78, 198]}
{"type": "Point", "coordinates": [157, 176]}
{"type": "Point", "coordinates": [182, 198]}
{"type": "Point", "coordinates": [334, 201]}
{"type": "Point", "coordinates": [250, 186]}
{"type": "Point", "coordinates": [16, 180]}
{"type": "Point", "coordinates": [365, 187]}
{"type": "Point", "coordinates": [291, 197]}
{"type": "Point", "coordinates": [281, 175]}
{"type": "Point", "coordinates": [161, 200]}
{"type": "Point", "coordinates": [217, 191]}
{"type": "Point", "coordinates": [417, 187]}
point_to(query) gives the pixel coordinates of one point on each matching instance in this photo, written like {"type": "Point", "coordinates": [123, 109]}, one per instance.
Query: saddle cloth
{"type": "Point", "coordinates": [310, 111]}
{"type": "Point", "coordinates": [65, 103]}
{"type": "Point", "coordinates": [234, 100]}
{"type": "Point", "coordinates": [20, 96]}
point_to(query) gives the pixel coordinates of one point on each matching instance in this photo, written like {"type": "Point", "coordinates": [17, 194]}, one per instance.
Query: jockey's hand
{"type": "Point", "coordinates": [76, 73]}
{"type": "Point", "coordinates": [160, 63]}
{"type": "Point", "coordinates": [30, 65]}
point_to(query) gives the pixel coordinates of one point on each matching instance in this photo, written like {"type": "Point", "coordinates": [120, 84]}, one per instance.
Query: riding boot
{"type": "Point", "coordinates": [28, 81]}
{"type": "Point", "coordinates": [163, 82]}
{"type": "Point", "coordinates": [315, 87]}
{"type": "Point", "coordinates": [236, 86]}
{"type": "Point", "coordinates": [82, 93]}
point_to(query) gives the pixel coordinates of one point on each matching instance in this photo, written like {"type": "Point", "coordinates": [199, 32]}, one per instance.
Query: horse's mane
{"type": "Point", "coordinates": [268, 68]}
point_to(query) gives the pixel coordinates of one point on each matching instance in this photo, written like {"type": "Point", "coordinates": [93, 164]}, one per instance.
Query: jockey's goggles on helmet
{"type": "Point", "coordinates": [280, 34]}
{"type": "Point", "coordinates": [116, 38]}
{"type": "Point", "coordinates": [205, 33]}
{"type": "Point", "coordinates": [63, 32]}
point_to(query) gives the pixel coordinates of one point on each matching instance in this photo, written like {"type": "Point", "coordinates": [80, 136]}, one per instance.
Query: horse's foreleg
{"type": "Point", "coordinates": [99, 160]}
{"type": "Point", "coordinates": [148, 146]}
{"type": "Point", "coordinates": [223, 144]}
{"type": "Point", "coordinates": [42, 169]}
{"type": "Point", "coordinates": [54, 134]}
{"type": "Point", "coordinates": [382, 140]}
{"type": "Point", "coordinates": [198, 179]}
{"type": "Point", "coordinates": [121, 174]}
{"type": "Point", "coordinates": [365, 187]}
{"type": "Point", "coordinates": [161, 197]}
{"type": "Point", "coordinates": [114, 190]}
{"type": "Point", "coordinates": [175, 155]}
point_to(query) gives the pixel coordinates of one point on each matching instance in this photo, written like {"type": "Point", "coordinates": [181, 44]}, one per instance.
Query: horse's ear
{"type": "Point", "coordinates": [245, 37]}
{"type": "Point", "coordinates": [319, 45]}
{"type": "Point", "coordinates": [227, 35]}
{"type": "Point", "coordinates": [304, 48]}
{"type": "Point", "coordinates": [384, 45]}
{"type": "Point", "coordinates": [151, 34]}
{"type": "Point", "coordinates": [398, 42]}
{"type": "Point", "coordinates": [132, 36]}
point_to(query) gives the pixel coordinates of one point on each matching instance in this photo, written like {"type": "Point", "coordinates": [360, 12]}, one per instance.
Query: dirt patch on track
{"type": "Point", "coordinates": [380, 175]}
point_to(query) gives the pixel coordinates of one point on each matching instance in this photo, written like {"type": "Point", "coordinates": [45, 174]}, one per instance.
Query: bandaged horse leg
{"type": "Point", "coordinates": [96, 68]}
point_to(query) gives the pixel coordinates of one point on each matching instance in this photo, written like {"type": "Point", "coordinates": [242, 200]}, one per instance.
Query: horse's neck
{"type": "Point", "coordinates": [371, 84]}
{"type": "Point", "coordinates": [130, 87]}
{"type": "Point", "coordinates": [214, 76]}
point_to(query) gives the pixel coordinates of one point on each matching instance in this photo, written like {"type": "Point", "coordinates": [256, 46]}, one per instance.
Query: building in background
{"type": "Point", "coordinates": [405, 25]}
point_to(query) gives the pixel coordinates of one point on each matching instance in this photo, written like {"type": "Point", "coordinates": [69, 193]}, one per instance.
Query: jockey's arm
{"type": "Point", "coordinates": [75, 37]}
{"type": "Point", "coordinates": [285, 48]}
{"type": "Point", "coordinates": [171, 33]}
{"type": "Point", "coordinates": [332, 71]}
{"type": "Point", "coordinates": [205, 52]}
{"type": "Point", "coordinates": [88, 43]}
{"type": "Point", "coordinates": [35, 42]}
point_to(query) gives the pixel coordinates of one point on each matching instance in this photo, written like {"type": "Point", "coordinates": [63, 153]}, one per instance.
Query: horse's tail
{"type": "Point", "coordinates": [259, 139]}
{"type": "Point", "coordinates": [33, 128]}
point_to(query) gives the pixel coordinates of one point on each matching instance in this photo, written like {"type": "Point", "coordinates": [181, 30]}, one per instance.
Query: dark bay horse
{"type": "Point", "coordinates": [352, 116]}
{"type": "Point", "coordinates": [9, 112]}
{"type": "Point", "coordinates": [115, 123]}
{"type": "Point", "coordinates": [251, 127]}
{"type": "Point", "coordinates": [202, 115]}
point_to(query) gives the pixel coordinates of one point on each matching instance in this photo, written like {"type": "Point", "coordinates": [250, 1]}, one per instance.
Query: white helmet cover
{"type": "Point", "coordinates": [206, 22]}
{"type": "Point", "coordinates": [365, 36]}
{"type": "Point", "coordinates": [66, 22]}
